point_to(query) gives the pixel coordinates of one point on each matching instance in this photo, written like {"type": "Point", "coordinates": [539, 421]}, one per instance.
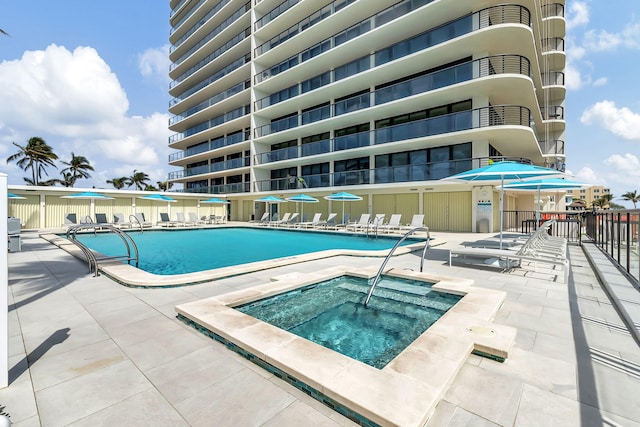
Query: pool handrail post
{"type": "Point", "coordinates": [384, 263]}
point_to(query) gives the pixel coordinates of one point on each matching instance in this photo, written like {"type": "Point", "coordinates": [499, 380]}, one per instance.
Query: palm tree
{"type": "Point", "coordinates": [150, 187]}
{"type": "Point", "coordinates": [36, 155]}
{"type": "Point", "coordinates": [632, 196]}
{"type": "Point", "coordinates": [78, 167]}
{"type": "Point", "coordinates": [139, 179]}
{"type": "Point", "coordinates": [164, 185]}
{"type": "Point", "coordinates": [118, 183]}
{"type": "Point", "coordinates": [67, 179]}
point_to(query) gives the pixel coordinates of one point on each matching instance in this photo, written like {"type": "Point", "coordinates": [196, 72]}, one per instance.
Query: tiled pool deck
{"type": "Point", "coordinates": [87, 351]}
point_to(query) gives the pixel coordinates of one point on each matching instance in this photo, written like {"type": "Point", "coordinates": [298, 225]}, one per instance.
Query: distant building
{"type": "Point", "coordinates": [378, 98]}
{"type": "Point", "coordinates": [588, 195]}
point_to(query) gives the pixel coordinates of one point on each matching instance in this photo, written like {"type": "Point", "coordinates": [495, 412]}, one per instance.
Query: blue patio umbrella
{"type": "Point", "coordinates": [547, 184]}
{"type": "Point", "coordinates": [302, 198]}
{"type": "Point", "coordinates": [343, 197]}
{"type": "Point", "coordinates": [14, 196]}
{"type": "Point", "coordinates": [217, 201]}
{"type": "Point", "coordinates": [501, 171]}
{"type": "Point", "coordinates": [159, 198]}
{"type": "Point", "coordinates": [269, 200]}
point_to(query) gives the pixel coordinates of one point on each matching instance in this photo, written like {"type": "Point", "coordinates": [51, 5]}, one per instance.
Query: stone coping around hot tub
{"type": "Point", "coordinates": [128, 275]}
{"type": "Point", "coordinates": [406, 391]}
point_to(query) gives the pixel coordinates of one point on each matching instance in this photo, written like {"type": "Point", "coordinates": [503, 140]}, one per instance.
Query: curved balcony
{"type": "Point", "coordinates": [199, 25]}
{"type": "Point", "coordinates": [484, 67]}
{"type": "Point", "coordinates": [496, 15]}
{"type": "Point", "coordinates": [223, 141]}
{"type": "Point", "coordinates": [208, 103]}
{"type": "Point", "coordinates": [216, 121]}
{"type": "Point", "coordinates": [506, 115]}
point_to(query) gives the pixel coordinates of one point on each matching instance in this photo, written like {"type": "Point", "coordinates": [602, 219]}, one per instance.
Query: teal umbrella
{"type": "Point", "coordinates": [501, 171]}
{"type": "Point", "coordinates": [343, 197]}
{"type": "Point", "coordinates": [269, 200]}
{"type": "Point", "coordinates": [14, 196]}
{"type": "Point", "coordinates": [87, 195]}
{"type": "Point", "coordinates": [159, 198]}
{"type": "Point", "coordinates": [302, 198]}
{"type": "Point", "coordinates": [217, 201]}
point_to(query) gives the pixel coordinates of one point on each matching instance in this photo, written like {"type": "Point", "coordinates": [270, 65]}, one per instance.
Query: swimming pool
{"type": "Point", "coordinates": [170, 252]}
{"type": "Point", "coordinates": [332, 314]}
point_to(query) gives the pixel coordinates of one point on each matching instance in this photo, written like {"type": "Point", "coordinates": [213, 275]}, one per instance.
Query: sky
{"type": "Point", "coordinates": [91, 78]}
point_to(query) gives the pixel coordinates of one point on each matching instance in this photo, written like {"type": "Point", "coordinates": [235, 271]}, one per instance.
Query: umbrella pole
{"type": "Point", "coordinates": [538, 211]}
{"type": "Point", "coordinates": [501, 206]}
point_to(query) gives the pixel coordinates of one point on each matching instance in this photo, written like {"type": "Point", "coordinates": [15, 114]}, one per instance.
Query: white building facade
{"type": "Point", "coordinates": [378, 98]}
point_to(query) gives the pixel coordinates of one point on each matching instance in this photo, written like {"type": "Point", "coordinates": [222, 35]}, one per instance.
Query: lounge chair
{"type": "Point", "coordinates": [180, 218]}
{"type": "Point", "coordinates": [416, 222]}
{"type": "Point", "coordinates": [70, 219]}
{"type": "Point", "coordinates": [362, 223]}
{"type": "Point", "coordinates": [540, 248]}
{"type": "Point", "coordinates": [140, 220]}
{"type": "Point", "coordinates": [277, 221]}
{"type": "Point", "coordinates": [120, 222]}
{"type": "Point", "coordinates": [314, 221]}
{"type": "Point", "coordinates": [101, 218]}
{"type": "Point", "coordinates": [263, 219]}
{"type": "Point", "coordinates": [193, 218]}
{"type": "Point", "coordinates": [165, 221]}
{"type": "Point", "coordinates": [330, 222]}
{"type": "Point", "coordinates": [393, 224]}
{"type": "Point", "coordinates": [293, 220]}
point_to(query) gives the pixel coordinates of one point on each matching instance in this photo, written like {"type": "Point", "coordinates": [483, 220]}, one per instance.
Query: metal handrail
{"type": "Point", "coordinates": [133, 219]}
{"type": "Point", "coordinates": [384, 263]}
{"type": "Point", "coordinates": [92, 259]}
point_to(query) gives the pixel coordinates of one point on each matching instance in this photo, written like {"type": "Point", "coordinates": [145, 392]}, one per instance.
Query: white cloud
{"type": "Point", "coordinates": [601, 81]}
{"type": "Point", "coordinates": [155, 63]}
{"type": "Point", "coordinates": [75, 102]}
{"type": "Point", "coordinates": [620, 121]}
{"type": "Point", "coordinates": [625, 166]}
{"type": "Point", "coordinates": [589, 176]}
{"type": "Point", "coordinates": [577, 14]}
{"type": "Point", "coordinates": [573, 78]}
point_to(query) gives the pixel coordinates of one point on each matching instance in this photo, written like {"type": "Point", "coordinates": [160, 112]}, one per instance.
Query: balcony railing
{"type": "Point", "coordinates": [553, 112]}
{"type": "Point", "coordinates": [216, 121]}
{"type": "Point", "coordinates": [405, 173]}
{"type": "Point", "coordinates": [554, 44]}
{"type": "Point", "coordinates": [553, 10]}
{"type": "Point", "coordinates": [208, 103]}
{"type": "Point", "coordinates": [552, 148]}
{"type": "Point", "coordinates": [498, 115]}
{"type": "Point", "coordinates": [213, 167]}
{"type": "Point", "coordinates": [491, 16]}
{"type": "Point", "coordinates": [239, 187]}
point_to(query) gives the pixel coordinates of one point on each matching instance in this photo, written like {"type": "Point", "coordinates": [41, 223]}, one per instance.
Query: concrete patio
{"type": "Point", "coordinates": [87, 351]}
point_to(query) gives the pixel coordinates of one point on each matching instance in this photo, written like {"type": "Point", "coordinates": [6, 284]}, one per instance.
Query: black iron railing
{"type": "Point", "coordinates": [616, 232]}
{"type": "Point", "coordinates": [568, 224]}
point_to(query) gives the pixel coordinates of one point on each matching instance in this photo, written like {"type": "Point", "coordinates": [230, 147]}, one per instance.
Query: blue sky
{"type": "Point", "coordinates": [91, 78]}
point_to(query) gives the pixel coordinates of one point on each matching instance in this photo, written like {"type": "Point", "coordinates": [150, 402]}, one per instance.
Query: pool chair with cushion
{"type": "Point", "coordinates": [392, 225]}
{"type": "Point", "coordinates": [263, 219]}
{"type": "Point", "coordinates": [165, 221]}
{"type": "Point", "coordinates": [314, 221]}
{"type": "Point", "coordinates": [101, 218]}
{"type": "Point", "coordinates": [70, 219]}
{"type": "Point", "coordinates": [362, 223]}
{"type": "Point", "coordinates": [182, 220]}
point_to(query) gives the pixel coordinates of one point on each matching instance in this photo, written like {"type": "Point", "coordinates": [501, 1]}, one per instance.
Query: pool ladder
{"type": "Point", "coordinates": [92, 258]}
{"type": "Point", "coordinates": [386, 260]}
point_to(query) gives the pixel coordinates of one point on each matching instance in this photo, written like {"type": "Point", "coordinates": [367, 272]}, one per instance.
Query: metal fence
{"type": "Point", "coordinates": [568, 224]}
{"type": "Point", "coordinates": [617, 234]}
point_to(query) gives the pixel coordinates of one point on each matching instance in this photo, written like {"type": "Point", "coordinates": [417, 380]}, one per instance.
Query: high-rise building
{"type": "Point", "coordinates": [378, 98]}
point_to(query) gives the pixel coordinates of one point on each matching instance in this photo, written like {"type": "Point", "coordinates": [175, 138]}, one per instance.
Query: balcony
{"type": "Point", "coordinates": [211, 168]}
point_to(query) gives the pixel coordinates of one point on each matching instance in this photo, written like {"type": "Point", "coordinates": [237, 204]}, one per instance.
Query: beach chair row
{"type": "Point", "coordinates": [366, 222]}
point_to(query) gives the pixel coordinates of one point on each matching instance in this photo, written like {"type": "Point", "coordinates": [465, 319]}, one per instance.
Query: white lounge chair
{"type": "Point", "coordinates": [70, 219]}
{"type": "Point", "coordinates": [314, 221]}
{"type": "Point", "coordinates": [416, 222]}
{"type": "Point", "coordinates": [291, 221]}
{"type": "Point", "coordinates": [101, 218]}
{"type": "Point", "coordinates": [276, 222]}
{"type": "Point", "coordinates": [330, 222]}
{"type": "Point", "coordinates": [182, 220]}
{"type": "Point", "coordinates": [393, 224]}
{"type": "Point", "coordinates": [140, 221]}
{"type": "Point", "coordinates": [120, 221]}
{"type": "Point", "coordinates": [193, 218]}
{"type": "Point", "coordinates": [263, 219]}
{"type": "Point", "coordinates": [362, 223]}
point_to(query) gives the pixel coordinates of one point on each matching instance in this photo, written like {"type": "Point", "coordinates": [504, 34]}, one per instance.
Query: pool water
{"type": "Point", "coordinates": [168, 252]}
{"type": "Point", "coordinates": [332, 314]}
